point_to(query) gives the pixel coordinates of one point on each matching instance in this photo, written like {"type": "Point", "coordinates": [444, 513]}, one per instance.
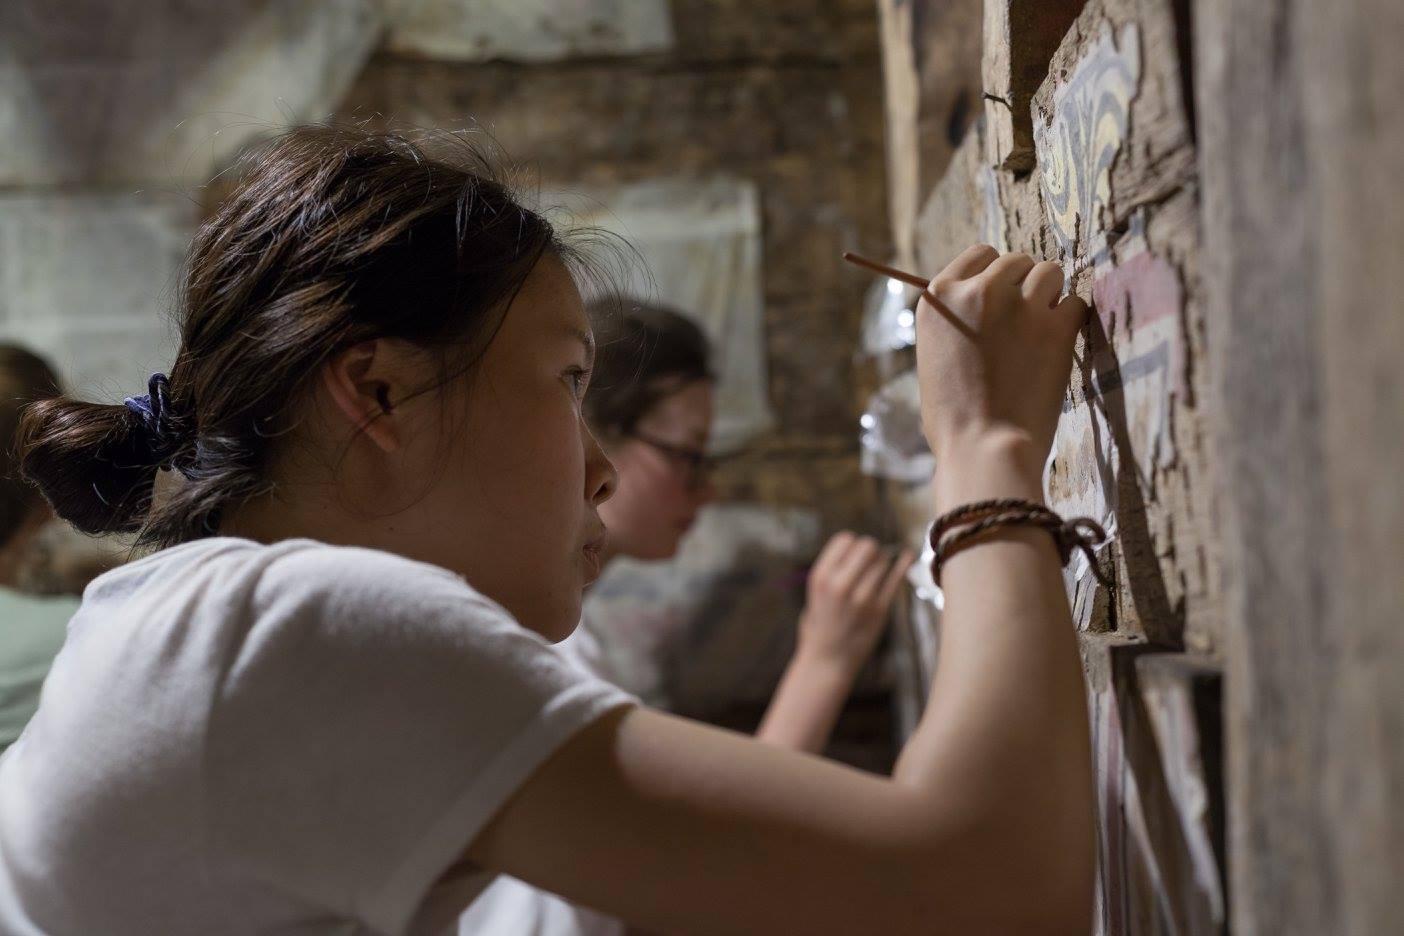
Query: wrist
{"type": "Point", "coordinates": [827, 663]}
{"type": "Point", "coordinates": [987, 463]}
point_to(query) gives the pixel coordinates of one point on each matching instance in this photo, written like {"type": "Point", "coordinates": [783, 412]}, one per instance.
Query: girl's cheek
{"type": "Point", "coordinates": [678, 491]}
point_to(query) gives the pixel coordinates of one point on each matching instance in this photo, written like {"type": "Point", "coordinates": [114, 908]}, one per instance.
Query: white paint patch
{"type": "Point", "coordinates": [891, 441]}
{"type": "Point", "coordinates": [1079, 481]}
{"type": "Point", "coordinates": [529, 30]}
{"type": "Point", "coordinates": [993, 231]}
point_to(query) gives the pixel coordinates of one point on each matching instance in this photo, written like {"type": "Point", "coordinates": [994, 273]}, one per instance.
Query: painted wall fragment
{"type": "Point", "coordinates": [1078, 143]}
{"type": "Point", "coordinates": [1080, 481]}
{"type": "Point", "coordinates": [994, 230]}
{"type": "Point", "coordinates": [1138, 369]}
{"type": "Point", "coordinates": [1117, 416]}
{"type": "Point", "coordinates": [1139, 887]}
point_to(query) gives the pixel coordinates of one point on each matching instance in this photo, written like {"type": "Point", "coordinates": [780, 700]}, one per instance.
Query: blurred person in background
{"type": "Point", "coordinates": [32, 627]}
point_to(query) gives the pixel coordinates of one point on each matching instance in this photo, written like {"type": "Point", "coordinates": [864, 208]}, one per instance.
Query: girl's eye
{"type": "Point", "coordinates": [579, 378]}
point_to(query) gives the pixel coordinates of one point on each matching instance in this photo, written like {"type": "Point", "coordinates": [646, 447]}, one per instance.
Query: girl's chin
{"type": "Point", "coordinates": [565, 626]}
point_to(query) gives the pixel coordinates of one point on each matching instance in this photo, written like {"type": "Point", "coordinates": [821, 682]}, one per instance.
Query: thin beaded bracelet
{"type": "Point", "coordinates": [980, 517]}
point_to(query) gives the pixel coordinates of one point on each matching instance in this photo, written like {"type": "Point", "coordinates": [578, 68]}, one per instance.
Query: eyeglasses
{"type": "Point", "coordinates": [699, 463]}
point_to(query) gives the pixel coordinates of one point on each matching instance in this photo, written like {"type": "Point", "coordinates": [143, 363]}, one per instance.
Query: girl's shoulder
{"type": "Point", "coordinates": [238, 596]}
{"type": "Point", "coordinates": [293, 571]}
{"type": "Point", "coordinates": [354, 582]}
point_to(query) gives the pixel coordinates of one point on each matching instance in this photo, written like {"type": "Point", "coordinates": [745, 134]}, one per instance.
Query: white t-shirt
{"type": "Point", "coordinates": [513, 906]}
{"type": "Point", "coordinates": [293, 739]}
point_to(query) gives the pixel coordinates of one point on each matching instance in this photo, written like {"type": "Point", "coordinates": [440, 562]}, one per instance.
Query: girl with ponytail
{"type": "Point", "coordinates": [327, 702]}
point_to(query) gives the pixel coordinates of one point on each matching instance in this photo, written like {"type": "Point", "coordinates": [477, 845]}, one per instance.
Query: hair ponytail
{"type": "Point", "coordinates": [89, 462]}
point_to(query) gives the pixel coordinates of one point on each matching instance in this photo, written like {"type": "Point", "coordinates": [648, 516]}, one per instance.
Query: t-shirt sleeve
{"type": "Point", "coordinates": [372, 720]}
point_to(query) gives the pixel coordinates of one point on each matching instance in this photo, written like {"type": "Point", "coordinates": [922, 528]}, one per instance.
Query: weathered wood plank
{"type": "Point", "coordinates": [1302, 132]}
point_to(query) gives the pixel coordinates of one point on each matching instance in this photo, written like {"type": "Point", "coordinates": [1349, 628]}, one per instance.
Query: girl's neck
{"type": "Point", "coordinates": [271, 518]}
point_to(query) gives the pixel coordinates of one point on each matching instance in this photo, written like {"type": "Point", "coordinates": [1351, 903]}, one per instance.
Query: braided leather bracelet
{"type": "Point", "coordinates": [980, 517]}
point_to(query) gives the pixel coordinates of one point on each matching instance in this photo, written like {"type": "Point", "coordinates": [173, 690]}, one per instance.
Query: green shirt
{"type": "Point", "coordinates": [32, 629]}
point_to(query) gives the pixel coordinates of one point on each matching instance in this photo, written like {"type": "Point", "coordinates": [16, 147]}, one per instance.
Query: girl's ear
{"type": "Point", "coordinates": [360, 386]}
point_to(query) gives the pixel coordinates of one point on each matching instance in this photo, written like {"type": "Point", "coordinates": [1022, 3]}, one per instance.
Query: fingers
{"type": "Point", "coordinates": [971, 262]}
{"type": "Point", "coordinates": [1044, 284]}
{"type": "Point", "coordinates": [870, 578]}
{"type": "Point", "coordinates": [1010, 268]}
{"type": "Point", "coordinates": [895, 577]}
{"type": "Point", "coordinates": [881, 579]}
{"type": "Point", "coordinates": [850, 567]}
{"type": "Point", "coordinates": [833, 551]}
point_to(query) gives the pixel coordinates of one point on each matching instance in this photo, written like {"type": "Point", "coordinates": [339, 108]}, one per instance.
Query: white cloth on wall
{"type": "Point", "coordinates": [248, 738]}
{"type": "Point", "coordinates": [700, 241]}
{"type": "Point", "coordinates": [528, 30]}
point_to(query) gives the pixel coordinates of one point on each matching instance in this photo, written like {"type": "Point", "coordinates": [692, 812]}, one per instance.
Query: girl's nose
{"type": "Point", "coordinates": [601, 477]}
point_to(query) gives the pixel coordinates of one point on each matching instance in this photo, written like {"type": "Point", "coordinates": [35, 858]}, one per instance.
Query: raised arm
{"type": "Point", "coordinates": [850, 592]}
{"type": "Point", "coordinates": [987, 822]}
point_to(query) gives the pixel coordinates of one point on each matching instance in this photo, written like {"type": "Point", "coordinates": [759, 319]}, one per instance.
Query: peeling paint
{"type": "Point", "coordinates": [1077, 146]}
{"type": "Point", "coordinates": [1139, 298]}
{"type": "Point", "coordinates": [994, 231]}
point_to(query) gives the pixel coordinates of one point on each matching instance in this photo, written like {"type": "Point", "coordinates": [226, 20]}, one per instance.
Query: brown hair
{"type": "Point", "coordinates": [644, 353]}
{"type": "Point", "coordinates": [24, 378]}
{"type": "Point", "coordinates": [333, 236]}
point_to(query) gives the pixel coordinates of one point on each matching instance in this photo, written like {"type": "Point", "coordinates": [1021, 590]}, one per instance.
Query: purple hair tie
{"type": "Point", "coordinates": [160, 437]}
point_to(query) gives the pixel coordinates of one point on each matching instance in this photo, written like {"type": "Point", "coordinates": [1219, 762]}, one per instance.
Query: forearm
{"type": "Point", "coordinates": [1006, 724]}
{"type": "Point", "coordinates": [807, 703]}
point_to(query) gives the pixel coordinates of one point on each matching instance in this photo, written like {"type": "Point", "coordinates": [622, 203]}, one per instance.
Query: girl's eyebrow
{"type": "Point", "coordinates": [586, 339]}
